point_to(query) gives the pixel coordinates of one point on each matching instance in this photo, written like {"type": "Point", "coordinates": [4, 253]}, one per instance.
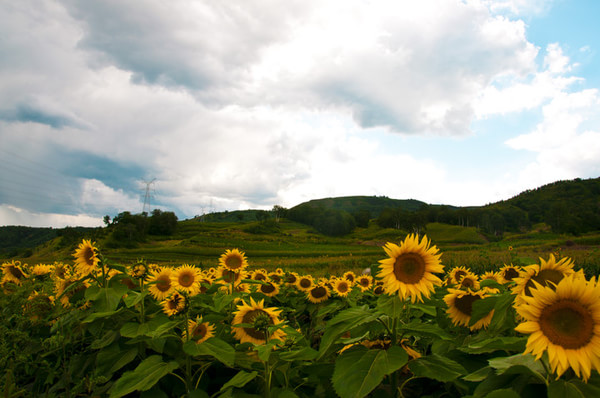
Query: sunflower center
{"type": "Point", "coordinates": [567, 323]}
{"type": "Point", "coordinates": [363, 282]}
{"type": "Point", "coordinates": [163, 283]}
{"type": "Point", "coordinates": [465, 303]}
{"type": "Point", "coordinates": [305, 283]}
{"type": "Point", "coordinates": [199, 331]}
{"type": "Point", "coordinates": [88, 255]}
{"type": "Point", "coordinates": [269, 288]}
{"type": "Point", "coordinates": [349, 277]}
{"type": "Point", "coordinates": [378, 290]}
{"type": "Point", "coordinates": [318, 292]}
{"type": "Point", "coordinates": [342, 287]}
{"type": "Point", "coordinates": [510, 273]}
{"type": "Point", "coordinates": [291, 278]}
{"type": "Point", "coordinates": [543, 277]}
{"type": "Point", "coordinates": [409, 268]}
{"type": "Point", "coordinates": [229, 276]}
{"type": "Point", "coordinates": [276, 278]}
{"type": "Point", "coordinates": [233, 262]}
{"type": "Point", "coordinates": [173, 303]}
{"type": "Point", "coordinates": [467, 282]}
{"type": "Point", "coordinates": [260, 277]}
{"type": "Point", "coordinates": [16, 272]}
{"type": "Point", "coordinates": [186, 279]}
{"type": "Point", "coordinates": [458, 275]}
{"type": "Point", "coordinates": [249, 317]}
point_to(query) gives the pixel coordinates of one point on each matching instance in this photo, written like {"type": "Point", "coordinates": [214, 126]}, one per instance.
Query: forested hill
{"type": "Point", "coordinates": [373, 204]}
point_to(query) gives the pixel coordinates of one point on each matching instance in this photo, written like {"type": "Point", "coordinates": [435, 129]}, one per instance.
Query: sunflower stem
{"type": "Point", "coordinates": [142, 309]}
{"type": "Point", "coordinates": [188, 358]}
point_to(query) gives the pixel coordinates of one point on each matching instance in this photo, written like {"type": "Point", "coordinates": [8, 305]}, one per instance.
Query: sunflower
{"type": "Point", "coordinates": [469, 281]}
{"type": "Point", "coordinates": [547, 273]}
{"type": "Point", "coordinates": [305, 283]}
{"type": "Point", "coordinates": [509, 272]}
{"type": "Point", "coordinates": [291, 278]}
{"type": "Point", "coordinates": [233, 260]}
{"type": "Point", "coordinates": [160, 282]}
{"type": "Point", "coordinates": [342, 287]}
{"type": "Point", "coordinates": [460, 307]}
{"type": "Point", "coordinates": [364, 282]}
{"type": "Point", "coordinates": [494, 276]}
{"type": "Point", "coordinates": [349, 276]}
{"type": "Point", "coordinates": [38, 305]}
{"type": "Point", "coordinates": [198, 331]}
{"type": "Point", "coordinates": [259, 275]}
{"type": "Point", "coordinates": [139, 270]}
{"type": "Point", "coordinates": [14, 272]}
{"type": "Point", "coordinates": [318, 294]}
{"type": "Point", "coordinates": [205, 282]}
{"type": "Point", "coordinates": [41, 270]}
{"type": "Point", "coordinates": [61, 270]}
{"type": "Point", "coordinates": [229, 277]}
{"type": "Point", "coordinates": [260, 317]}
{"type": "Point", "coordinates": [564, 321]}
{"type": "Point", "coordinates": [174, 304]}
{"type": "Point", "coordinates": [276, 277]}
{"type": "Point", "coordinates": [269, 289]}
{"type": "Point", "coordinates": [86, 257]}
{"type": "Point", "coordinates": [65, 289]}
{"type": "Point", "coordinates": [280, 271]}
{"type": "Point", "coordinates": [379, 288]}
{"type": "Point", "coordinates": [456, 274]}
{"type": "Point", "coordinates": [410, 267]}
{"type": "Point", "coordinates": [186, 278]}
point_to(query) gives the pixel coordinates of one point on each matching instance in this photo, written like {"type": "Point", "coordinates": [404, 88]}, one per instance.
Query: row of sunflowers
{"type": "Point", "coordinates": [95, 328]}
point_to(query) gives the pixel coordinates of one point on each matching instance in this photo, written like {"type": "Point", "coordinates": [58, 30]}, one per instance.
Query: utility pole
{"type": "Point", "coordinates": [147, 196]}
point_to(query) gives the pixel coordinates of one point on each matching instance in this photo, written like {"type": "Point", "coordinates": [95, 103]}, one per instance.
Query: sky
{"type": "Point", "coordinates": [229, 105]}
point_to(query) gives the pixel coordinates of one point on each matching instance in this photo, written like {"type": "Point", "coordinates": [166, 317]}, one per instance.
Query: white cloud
{"type": "Point", "coordinates": [11, 215]}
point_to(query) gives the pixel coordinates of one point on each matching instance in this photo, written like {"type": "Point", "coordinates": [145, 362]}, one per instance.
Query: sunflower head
{"type": "Point", "coordinates": [318, 293]}
{"type": "Point", "coordinates": [547, 273]}
{"type": "Point", "coordinates": [139, 270]}
{"type": "Point", "coordinates": [494, 276]}
{"type": "Point", "coordinates": [14, 272]}
{"type": "Point", "coordinates": [456, 274]}
{"type": "Point", "coordinates": [174, 304]}
{"type": "Point", "coordinates": [260, 318]}
{"type": "Point", "coordinates": [305, 283]}
{"type": "Point", "coordinates": [564, 321]}
{"type": "Point", "coordinates": [509, 273]}
{"type": "Point", "coordinates": [199, 331]}
{"type": "Point", "coordinates": [233, 260]}
{"type": "Point", "coordinates": [460, 307]}
{"type": "Point", "coordinates": [86, 257]}
{"type": "Point", "coordinates": [378, 289]}
{"type": "Point", "coordinates": [259, 275]}
{"type": "Point", "coordinates": [186, 279]}
{"type": "Point", "coordinates": [269, 289]}
{"type": "Point", "coordinates": [364, 282]}
{"type": "Point", "coordinates": [291, 278]}
{"type": "Point", "coordinates": [160, 283]}
{"type": "Point", "coordinates": [38, 305]}
{"type": "Point", "coordinates": [349, 276]}
{"type": "Point", "coordinates": [342, 287]}
{"type": "Point", "coordinates": [469, 281]}
{"type": "Point", "coordinates": [410, 268]}
{"type": "Point", "coordinates": [42, 270]}
{"type": "Point", "coordinates": [229, 277]}
{"type": "Point", "coordinates": [276, 277]}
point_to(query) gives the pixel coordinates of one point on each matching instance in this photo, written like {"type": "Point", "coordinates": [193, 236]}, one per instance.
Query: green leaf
{"type": "Point", "coordinates": [143, 377]}
{"type": "Point", "coordinates": [155, 327]}
{"type": "Point", "coordinates": [430, 310]}
{"type": "Point", "coordinates": [490, 283]}
{"type": "Point", "coordinates": [437, 367]}
{"type": "Point", "coordinates": [503, 393]}
{"type": "Point", "coordinates": [503, 364]}
{"type": "Point", "coordinates": [264, 351]}
{"type": "Point", "coordinates": [104, 299]}
{"type": "Point", "coordinates": [418, 328]}
{"type": "Point", "coordinates": [359, 371]}
{"type": "Point", "coordinates": [563, 389]}
{"type": "Point", "coordinates": [343, 322]}
{"type": "Point", "coordinates": [213, 347]}
{"type": "Point", "coordinates": [391, 306]}
{"type": "Point", "coordinates": [503, 312]}
{"type": "Point", "coordinates": [239, 380]}
{"type": "Point", "coordinates": [133, 298]}
{"type": "Point", "coordinates": [222, 300]}
{"type": "Point", "coordinates": [97, 315]}
{"type": "Point", "coordinates": [107, 339]}
{"type": "Point", "coordinates": [112, 359]}
{"type": "Point", "coordinates": [478, 375]}
{"type": "Point", "coordinates": [304, 354]}
{"type": "Point", "coordinates": [481, 309]}
{"type": "Point", "coordinates": [495, 344]}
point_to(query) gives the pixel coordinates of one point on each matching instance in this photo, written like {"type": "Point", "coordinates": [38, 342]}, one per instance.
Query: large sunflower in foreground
{"type": "Point", "coordinates": [233, 260]}
{"type": "Point", "coordinates": [160, 283]}
{"type": "Point", "coordinates": [199, 331]}
{"type": "Point", "coordinates": [186, 278]}
{"type": "Point", "coordinates": [86, 257]}
{"type": "Point", "coordinates": [410, 267]}
{"type": "Point", "coordinates": [564, 321]}
{"type": "Point", "coordinates": [460, 307]}
{"type": "Point", "coordinates": [260, 317]}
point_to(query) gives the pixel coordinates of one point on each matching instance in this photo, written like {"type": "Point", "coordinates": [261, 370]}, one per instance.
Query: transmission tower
{"type": "Point", "coordinates": [147, 196]}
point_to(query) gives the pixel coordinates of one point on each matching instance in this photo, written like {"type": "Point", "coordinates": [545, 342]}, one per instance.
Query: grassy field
{"type": "Point", "coordinates": [295, 246]}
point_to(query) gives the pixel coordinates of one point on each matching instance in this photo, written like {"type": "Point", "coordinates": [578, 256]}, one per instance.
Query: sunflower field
{"type": "Point", "coordinates": [412, 329]}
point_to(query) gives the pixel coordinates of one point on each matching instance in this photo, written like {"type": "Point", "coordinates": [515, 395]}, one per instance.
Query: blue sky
{"type": "Point", "coordinates": [250, 104]}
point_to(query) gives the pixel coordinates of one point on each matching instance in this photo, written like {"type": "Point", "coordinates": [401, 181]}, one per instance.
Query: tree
{"type": "Point", "coordinates": [162, 223]}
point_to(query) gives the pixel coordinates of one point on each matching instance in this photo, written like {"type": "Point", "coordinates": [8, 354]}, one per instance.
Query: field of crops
{"type": "Point", "coordinates": [423, 323]}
